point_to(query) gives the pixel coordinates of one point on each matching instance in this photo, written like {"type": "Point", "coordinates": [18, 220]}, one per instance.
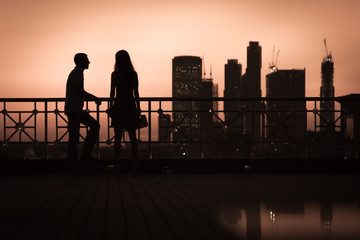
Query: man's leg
{"type": "Point", "coordinates": [92, 134]}
{"type": "Point", "coordinates": [73, 128]}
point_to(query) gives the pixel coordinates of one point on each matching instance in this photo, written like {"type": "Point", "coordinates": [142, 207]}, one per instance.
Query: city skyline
{"type": "Point", "coordinates": [40, 39]}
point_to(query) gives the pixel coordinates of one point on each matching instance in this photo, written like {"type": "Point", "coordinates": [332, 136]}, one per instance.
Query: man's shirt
{"type": "Point", "coordinates": [74, 100]}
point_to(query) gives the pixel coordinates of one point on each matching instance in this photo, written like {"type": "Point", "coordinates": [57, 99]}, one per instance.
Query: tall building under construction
{"type": "Point", "coordinates": [327, 115]}
{"type": "Point", "coordinates": [285, 120]}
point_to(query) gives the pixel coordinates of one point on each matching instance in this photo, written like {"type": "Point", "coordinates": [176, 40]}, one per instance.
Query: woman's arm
{"type": "Point", "coordinates": [112, 91]}
{"type": "Point", "coordinates": [136, 92]}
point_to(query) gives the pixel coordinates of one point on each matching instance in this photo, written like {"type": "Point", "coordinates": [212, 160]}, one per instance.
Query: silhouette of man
{"type": "Point", "coordinates": [75, 97]}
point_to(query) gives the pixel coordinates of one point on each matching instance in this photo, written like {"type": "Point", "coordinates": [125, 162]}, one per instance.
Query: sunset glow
{"type": "Point", "coordinates": [39, 39]}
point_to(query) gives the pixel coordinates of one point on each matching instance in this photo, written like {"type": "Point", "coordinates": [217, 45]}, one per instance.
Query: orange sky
{"type": "Point", "coordinates": [39, 39]}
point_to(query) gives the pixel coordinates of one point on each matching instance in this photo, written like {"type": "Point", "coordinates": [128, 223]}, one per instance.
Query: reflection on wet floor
{"type": "Point", "coordinates": [292, 220]}
{"type": "Point", "coordinates": [180, 206]}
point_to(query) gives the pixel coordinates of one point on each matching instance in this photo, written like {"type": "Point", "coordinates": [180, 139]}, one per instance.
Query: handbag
{"type": "Point", "coordinates": [142, 121]}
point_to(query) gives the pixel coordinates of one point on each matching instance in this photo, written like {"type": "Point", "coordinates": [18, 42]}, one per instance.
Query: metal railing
{"type": "Point", "coordinates": [196, 128]}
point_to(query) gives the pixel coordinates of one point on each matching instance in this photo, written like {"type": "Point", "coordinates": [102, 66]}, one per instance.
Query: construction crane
{"type": "Point", "coordinates": [273, 63]}
{"type": "Point", "coordinates": [328, 56]}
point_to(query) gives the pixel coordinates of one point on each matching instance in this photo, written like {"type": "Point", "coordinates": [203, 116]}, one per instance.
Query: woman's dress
{"type": "Point", "coordinates": [125, 114]}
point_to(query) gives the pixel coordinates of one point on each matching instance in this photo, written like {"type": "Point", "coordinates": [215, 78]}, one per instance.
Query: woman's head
{"type": "Point", "coordinates": [123, 62]}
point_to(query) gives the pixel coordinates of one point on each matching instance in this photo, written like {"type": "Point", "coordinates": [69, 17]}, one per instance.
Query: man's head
{"type": "Point", "coordinates": [81, 60]}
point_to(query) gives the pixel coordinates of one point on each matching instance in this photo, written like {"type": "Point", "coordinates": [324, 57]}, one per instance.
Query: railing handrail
{"type": "Point", "coordinates": [338, 99]}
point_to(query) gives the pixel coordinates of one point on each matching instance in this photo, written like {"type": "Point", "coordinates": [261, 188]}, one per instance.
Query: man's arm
{"type": "Point", "coordinates": [87, 96]}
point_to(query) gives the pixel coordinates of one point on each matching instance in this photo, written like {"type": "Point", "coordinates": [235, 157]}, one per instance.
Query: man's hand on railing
{"type": "Point", "coordinates": [98, 101]}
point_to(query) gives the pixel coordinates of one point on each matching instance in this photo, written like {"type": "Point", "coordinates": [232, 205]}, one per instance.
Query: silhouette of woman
{"type": "Point", "coordinates": [124, 103]}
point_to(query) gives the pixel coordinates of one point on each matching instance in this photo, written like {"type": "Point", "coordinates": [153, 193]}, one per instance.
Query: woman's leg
{"type": "Point", "coordinates": [133, 140]}
{"type": "Point", "coordinates": [117, 144]}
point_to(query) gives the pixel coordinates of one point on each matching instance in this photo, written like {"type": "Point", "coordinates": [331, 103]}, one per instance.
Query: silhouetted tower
{"type": "Point", "coordinates": [216, 103]}
{"type": "Point", "coordinates": [207, 91]}
{"type": "Point", "coordinates": [251, 87]}
{"type": "Point", "coordinates": [187, 78]}
{"type": "Point", "coordinates": [210, 89]}
{"type": "Point", "coordinates": [327, 114]}
{"type": "Point", "coordinates": [233, 72]}
{"type": "Point", "coordinates": [285, 120]}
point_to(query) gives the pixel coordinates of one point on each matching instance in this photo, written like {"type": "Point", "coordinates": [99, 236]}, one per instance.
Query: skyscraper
{"type": "Point", "coordinates": [208, 90]}
{"type": "Point", "coordinates": [251, 87]}
{"type": "Point", "coordinates": [233, 72]}
{"type": "Point", "coordinates": [187, 78]}
{"type": "Point", "coordinates": [285, 120]}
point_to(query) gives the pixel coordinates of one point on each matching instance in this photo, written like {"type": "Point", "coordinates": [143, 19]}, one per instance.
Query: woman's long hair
{"type": "Point", "coordinates": [123, 62]}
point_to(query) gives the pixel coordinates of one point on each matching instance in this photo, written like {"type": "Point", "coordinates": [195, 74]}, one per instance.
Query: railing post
{"type": "Point", "coordinates": [98, 137]}
{"type": "Point", "coordinates": [263, 110]}
{"type": "Point", "coordinates": [253, 149]}
{"type": "Point", "coordinates": [191, 115]}
{"type": "Point", "coordinates": [202, 116]}
{"type": "Point", "coordinates": [35, 121]}
{"type": "Point", "coordinates": [306, 130]}
{"type": "Point", "coordinates": [56, 121]}
{"type": "Point", "coordinates": [20, 123]}
{"type": "Point", "coordinates": [314, 111]}
{"type": "Point", "coordinates": [108, 141]}
{"type": "Point", "coordinates": [149, 130]}
{"type": "Point", "coordinates": [46, 129]}
{"type": "Point", "coordinates": [4, 113]}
